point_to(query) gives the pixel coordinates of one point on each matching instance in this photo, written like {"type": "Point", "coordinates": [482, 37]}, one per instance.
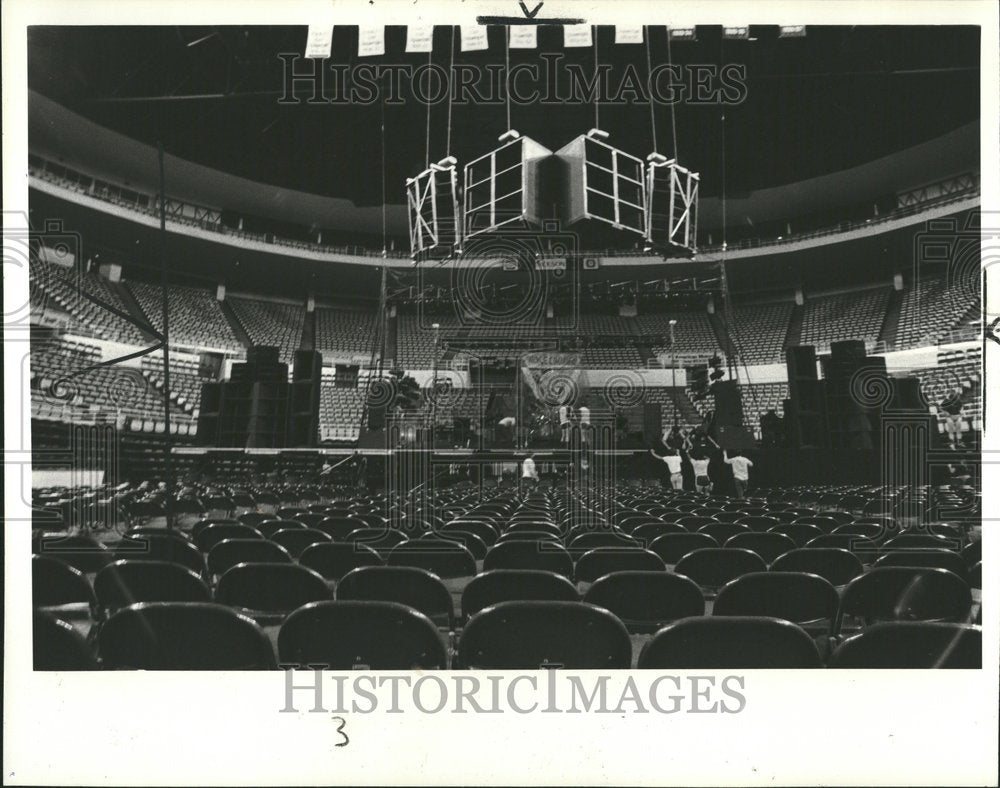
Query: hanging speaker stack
{"type": "Point", "coordinates": [433, 210]}
{"type": "Point", "coordinates": [603, 194]}
{"type": "Point", "coordinates": [672, 198]}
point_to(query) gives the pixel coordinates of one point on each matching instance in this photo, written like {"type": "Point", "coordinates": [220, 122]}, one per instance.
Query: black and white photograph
{"type": "Point", "coordinates": [385, 377]}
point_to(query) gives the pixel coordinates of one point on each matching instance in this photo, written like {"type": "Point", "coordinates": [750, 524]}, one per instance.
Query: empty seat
{"type": "Point", "coordinates": [533, 635]}
{"type": "Point", "coordinates": [902, 593]}
{"type": "Point", "coordinates": [483, 530]}
{"type": "Point", "coordinates": [976, 576]}
{"type": "Point", "coordinates": [932, 557]}
{"type": "Point", "coordinates": [909, 644]}
{"type": "Point", "coordinates": [470, 542]}
{"type": "Point", "coordinates": [800, 533]}
{"type": "Point", "coordinates": [865, 549]}
{"type": "Point", "coordinates": [834, 564]}
{"type": "Point", "coordinates": [125, 583]}
{"type": "Point", "coordinates": [56, 584]}
{"type": "Point", "coordinates": [973, 553]}
{"type": "Point", "coordinates": [339, 528]}
{"type": "Point", "coordinates": [407, 585]}
{"type": "Point", "coordinates": [442, 557]}
{"type": "Point", "coordinates": [578, 545]}
{"type": "Point", "coordinates": [355, 635]}
{"type": "Point", "coordinates": [871, 531]}
{"type": "Point", "coordinates": [646, 600]}
{"type": "Point", "coordinates": [211, 535]}
{"type": "Point", "coordinates": [78, 550]}
{"type": "Point", "coordinates": [767, 545]}
{"type": "Point", "coordinates": [645, 533]}
{"type": "Point", "coordinates": [917, 541]}
{"type": "Point", "coordinates": [793, 596]}
{"type": "Point", "coordinates": [183, 636]}
{"type": "Point", "coordinates": [508, 585]}
{"type": "Point", "coordinates": [723, 532]}
{"type": "Point", "coordinates": [156, 547]}
{"type": "Point", "coordinates": [713, 567]}
{"type": "Point", "coordinates": [230, 552]}
{"type": "Point", "coordinates": [730, 643]}
{"type": "Point", "coordinates": [547, 556]}
{"type": "Point", "coordinates": [295, 540]}
{"type": "Point", "coordinates": [270, 588]}
{"type": "Point", "coordinates": [673, 547]}
{"type": "Point", "coordinates": [380, 539]}
{"type": "Point", "coordinates": [269, 528]}
{"type": "Point", "coordinates": [759, 522]}
{"type": "Point", "coordinates": [695, 522]}
{"type": "Point", "coordinates": [56, 645]}
{"type": "Point", "coordinates": [602, 560]}
{"type": "Point", "coordinates": [333, 560]}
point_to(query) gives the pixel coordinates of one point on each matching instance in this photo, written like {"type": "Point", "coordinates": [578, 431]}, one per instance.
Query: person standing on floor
{"type": "Point", "coordinates": [672, 459]}
{"type": "Point", "coordinates": [702, 482]}
{"type": "Point", "coordinates": [741, 471]}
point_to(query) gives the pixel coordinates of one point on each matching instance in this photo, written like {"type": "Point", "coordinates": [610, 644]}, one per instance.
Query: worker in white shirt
{"type": "Point", "coordinates": [702, 483]}
{"type": "Point", "coordinates": [529, 473]}
{"type": "Point", "coordinates": [583, 414]}
{"type": "Point", "coordinates": [741, 472]}
{"type": "Point", "coordinates": [673, 462]}
{"type": "Point", "coordinates": [564, 424]}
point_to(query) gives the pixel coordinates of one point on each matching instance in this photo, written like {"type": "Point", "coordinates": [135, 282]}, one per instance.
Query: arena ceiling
{"type": "Point", "coordinates": [835, 99]}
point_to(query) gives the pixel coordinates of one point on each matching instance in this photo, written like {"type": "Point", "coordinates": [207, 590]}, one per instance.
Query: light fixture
{"type": "Point", "coordinates": [792, 31]}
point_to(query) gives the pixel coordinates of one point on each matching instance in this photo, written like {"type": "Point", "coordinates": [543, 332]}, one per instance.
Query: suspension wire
{"type": "Point", "coordinates": [649, 75]}
{"type": "Point", "coordinates": [427, 142]}
{"type": "Point", "coordinates": [597, 87]}
{"type": "Point", "coordinates": [451, 71]}
{"type": "Point", "coordinates": [506, 42]}
{"type": "Point", "coordinates": [673, 104]}
{"type": "Point", "coordinates": [729, 323]}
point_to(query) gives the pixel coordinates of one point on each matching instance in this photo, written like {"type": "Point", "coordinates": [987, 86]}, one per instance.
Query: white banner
{"type": "Point", "coordinates": [419, 38]}
{"type": "Point", "coordinates": [628, 34]}
{"type": "Point", "coordinates": [474, 38]}
{"type": "Point", "coordinates": [371, 41]}
{"type": "Point", "coordinates": [523, 37]}
{"type": "Point", "coordinates": [319, 41]}
{"type": "Point", "coordinates": [577, 36]}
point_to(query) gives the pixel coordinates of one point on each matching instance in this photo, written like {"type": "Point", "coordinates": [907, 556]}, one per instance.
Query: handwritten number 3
{"type": "Point", "coordinates": [340, 730]}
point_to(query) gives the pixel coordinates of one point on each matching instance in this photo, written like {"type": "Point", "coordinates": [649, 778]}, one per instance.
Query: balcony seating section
{"type": "Point", "coordinates": [195, 316]}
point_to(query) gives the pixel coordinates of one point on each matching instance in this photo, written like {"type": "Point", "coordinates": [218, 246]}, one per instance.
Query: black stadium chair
{"type": "Point", "coordinates": [913, 541]}
{"type": "Point", "coordinates": [270, 588]}
{"type": "Point", "coordinates": [713, 567]}
{"type": "Point", "coordinates": [767, 545]}
{"type": "Point", "coordinates": [183, 636]}
{"type": "Point", "coordinates": [156, 547]}
{"type": "Point", "coordinates": [80, 551]}
{"type": "Point", "coordinates": [836, 565]}
{"type": "Point", "coordinates": [56, 645]}
{"type": "Point", "coordinates": [442, 557]}
{"type": "Point", "coordinates": [380, 539]}
{"type": "Point", "coordinates": [125, 583]}
{"type": "Point", "coordinates": [973, 553]}
{"type": "Point", "coordinates": [269, 528]}
{"type": "Point", "coordinates": [723, 532]}
{"type": "Point", "coordinates": [484, 531]}
{"type": "Point", "coordinates": [603, 560]}
{"type": "Point", "coordinates": [295, 540]}
{"type": "Point", "coordinates": [976, 576]}
{"type": "Point", "coordinates": [533, 635]}
{"type": "Point", "coordinates": [929, 556]}
{"type": "Point", "coordinates": [339, 528]}
{"type": "Point", "coordinates": [547, 556]}
{"type": "Point", "coordinates": [513, 585]}
{"type": "Point", "coordinates": [353, 635]}
{"type": "Point", "coordinates": [470, 542]}
{"type": "Point", "coordinates": [673, 547]}
{"type": "Point", "coordinates": [407, 585]}
{"type": "Point", "coordinates": [57, 584]}
{"type": "Point", "coordinates": [902, 593]}
{"type": "Point", "coordinates": [645, 601]}
{"type": "Point", "coordinates": [210, 536]}
{"type": "Point", "coordinates": [730, 643]}
{"type": "Point", "coordinates": [908, 644]}
{"type": "Point", "coordinates": [800, 533]}
{"type": "Point", "coordinates": [333, 560]}
{"type": "Point", "coordinates": [230, 552]}
{"type": "Point", "coordinates": [801, 598]}
{"type": "Point", "coordinates": [644, 534]}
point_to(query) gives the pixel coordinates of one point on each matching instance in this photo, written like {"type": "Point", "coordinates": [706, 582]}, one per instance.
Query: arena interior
{"type": "Point", "coordinates": [301, 394]}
